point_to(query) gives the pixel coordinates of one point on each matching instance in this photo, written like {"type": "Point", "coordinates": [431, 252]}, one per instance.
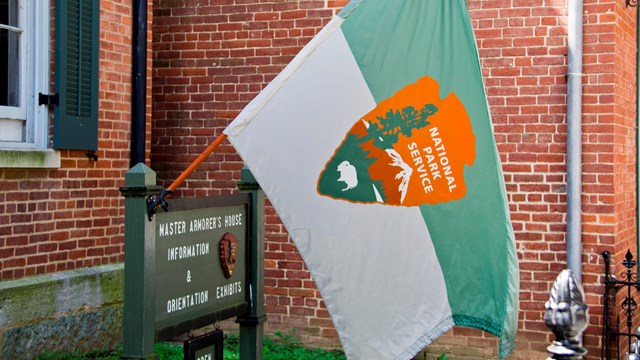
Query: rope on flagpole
{"type": "Point", "coordinates": [154, 202]}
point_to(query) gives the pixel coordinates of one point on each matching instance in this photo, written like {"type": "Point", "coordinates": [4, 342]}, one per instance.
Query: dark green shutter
{"type": "Point", "coordinates": [76, 74]}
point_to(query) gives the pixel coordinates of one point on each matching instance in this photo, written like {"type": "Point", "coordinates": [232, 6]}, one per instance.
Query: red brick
{"type": "Point", "coordinates": [210, 61]}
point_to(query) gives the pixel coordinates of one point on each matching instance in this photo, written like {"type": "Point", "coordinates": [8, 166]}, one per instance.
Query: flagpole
{"type": "Point", "coordinates": [153, 203]}
{"type": "Point", "coordinates": [185, 174]}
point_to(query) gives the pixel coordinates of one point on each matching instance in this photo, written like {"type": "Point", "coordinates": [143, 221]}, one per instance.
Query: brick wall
{"type": "Point", "coordinates": [72, 217]}
{"type": "Point", "coordinates": [620, 102]}
{"type": "Point", "coordinates": [619, 224]}
{"type": "Point", "coordinates": [213, 56]}
{"type": "Point", "coordinates": [523, 55]}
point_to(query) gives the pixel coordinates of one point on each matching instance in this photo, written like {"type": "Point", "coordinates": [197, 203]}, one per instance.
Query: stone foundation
{"type": "Point", "coordinates": [77, 310]}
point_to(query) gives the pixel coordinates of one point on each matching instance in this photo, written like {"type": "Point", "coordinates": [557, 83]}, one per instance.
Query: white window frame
{"type": "Point", "coordinates": [34, 77]}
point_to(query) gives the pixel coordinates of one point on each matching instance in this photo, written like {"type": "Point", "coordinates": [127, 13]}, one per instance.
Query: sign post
{"type": "Point", "coordinates": [252, 323]}
{"type": "Point", "coordinates": [139, 286]}
{"type": "Point", "coordinates": [197, 263]}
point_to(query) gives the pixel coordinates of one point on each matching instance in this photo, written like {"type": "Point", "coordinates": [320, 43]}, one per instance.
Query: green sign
{"type": "Point", "coordinates": [201, 262]}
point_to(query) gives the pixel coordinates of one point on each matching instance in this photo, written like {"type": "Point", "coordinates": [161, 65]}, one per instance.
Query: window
{"type": "Point", "coordinates": [24, 73]}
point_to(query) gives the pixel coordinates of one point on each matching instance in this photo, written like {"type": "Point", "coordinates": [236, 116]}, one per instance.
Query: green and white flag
{"type": "Point", "coordinates": [375, 147]}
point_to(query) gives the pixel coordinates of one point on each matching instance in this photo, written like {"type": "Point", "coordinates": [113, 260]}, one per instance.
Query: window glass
{"type": "Point", "coordinates": [24, 73]}
{"type": "Point", "coordinates": [10, 34]}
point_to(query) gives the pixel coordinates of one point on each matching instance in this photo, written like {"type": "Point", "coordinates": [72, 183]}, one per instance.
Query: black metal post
{"type": "Point", "coordinates": [139, 83]}
{"type": "Point", "coordinates": [628, 281]}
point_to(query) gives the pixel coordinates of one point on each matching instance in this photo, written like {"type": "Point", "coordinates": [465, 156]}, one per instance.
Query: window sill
{"type": "Point", "coordinates": [34, 159]}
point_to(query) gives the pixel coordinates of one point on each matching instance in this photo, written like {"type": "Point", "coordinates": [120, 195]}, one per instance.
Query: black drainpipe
{"type": "Point", "coordinates": [139, 82]}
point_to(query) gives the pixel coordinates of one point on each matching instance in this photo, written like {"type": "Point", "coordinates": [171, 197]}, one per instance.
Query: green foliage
{"type": "Point", "coordinates": [91, 355]}
{"type": "Point", "coordinates": [442, 357]}
{"type": "Point", "coordinates": [169, 351]}
{"type": "Point", "coordinates": [286, 346]}
{"type": "Point", "coordinates": [230, 350]}
{"type": "Point", "coordinates": [278, 347]}
{"type": "Point", "coordinates": [165, 351]}
{"type": "Point", "coordinates": [281, 347]}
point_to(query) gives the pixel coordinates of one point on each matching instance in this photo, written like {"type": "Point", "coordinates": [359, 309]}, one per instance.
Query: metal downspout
{"type": "Point", "coordinates": [139, 83]}
{"type": "Point", "coordinates": [574, 140]}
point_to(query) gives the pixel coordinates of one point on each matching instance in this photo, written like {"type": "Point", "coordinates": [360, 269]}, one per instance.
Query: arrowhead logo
{"type": "Point", "coordinates": [408, 151]}
{"type": "Point", "coordinates": [228, 247]}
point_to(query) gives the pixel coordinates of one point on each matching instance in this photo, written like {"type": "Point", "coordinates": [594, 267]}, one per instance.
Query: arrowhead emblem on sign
{"type": "Point", "coordinates": [228, 247]}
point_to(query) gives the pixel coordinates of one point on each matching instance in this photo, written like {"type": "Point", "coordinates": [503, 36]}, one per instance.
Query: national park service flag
{"type": "Point", "coordinates": [376, 149]}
